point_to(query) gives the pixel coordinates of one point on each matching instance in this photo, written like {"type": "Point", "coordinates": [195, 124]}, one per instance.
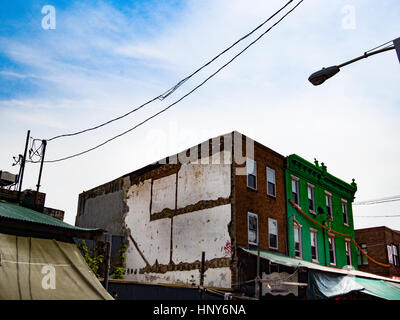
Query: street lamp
{"type": "Point", "coordinates": [322, 75]}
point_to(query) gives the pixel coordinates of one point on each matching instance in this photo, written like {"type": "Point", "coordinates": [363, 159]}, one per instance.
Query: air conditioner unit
{"type": "Point", "coordinates": [7, 178]}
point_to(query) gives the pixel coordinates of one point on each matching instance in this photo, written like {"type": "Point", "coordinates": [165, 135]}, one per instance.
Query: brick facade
{"type": "Point", "coordinates": [377, 239]}
{"type": "Point", "coordinates": [259, 202]}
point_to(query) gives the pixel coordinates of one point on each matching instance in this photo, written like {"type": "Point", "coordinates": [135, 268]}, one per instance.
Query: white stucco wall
{"type": "Point", "coordinates": [192, 232]}
{"type": "Point", "coordinates": [198, 182]}
{"type": "Point", "coordinates": [164, 190]}
{"type": "Point", "coordinates": [153, 238]}
{"type": "Point", "coordinates": [204, 230]}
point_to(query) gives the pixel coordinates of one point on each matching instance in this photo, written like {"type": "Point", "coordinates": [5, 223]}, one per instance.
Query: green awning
{"type": "Point", "coordinates": [379, 288]}
{"type": "Point", "coordinates": [21, 221]}
{"type": "Point", "coordinates": [327, 282]}
{"type": "Point", "coordinates": [16, 212]}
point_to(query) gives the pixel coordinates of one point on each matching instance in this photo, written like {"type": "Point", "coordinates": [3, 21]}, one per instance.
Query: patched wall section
{"type": "Point", "coordinates": [173, 219]}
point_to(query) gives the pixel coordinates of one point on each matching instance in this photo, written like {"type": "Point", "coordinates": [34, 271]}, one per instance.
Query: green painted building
{"type": "Point", "coordinates": [324, 210]}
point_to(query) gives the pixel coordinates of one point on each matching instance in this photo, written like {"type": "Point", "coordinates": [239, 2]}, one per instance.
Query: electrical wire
{"type": "Point", "coordinates": [376, 201]}
{"type": "Point", "coordinates": [180, 99]}
{"type": "Point", "coordinates": [389, 216]}
{"type": "Point", "coordinates": [180, 83]}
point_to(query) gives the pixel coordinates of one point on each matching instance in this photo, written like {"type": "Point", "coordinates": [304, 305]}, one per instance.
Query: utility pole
{"type": "Point", "coordinates": [108, 239]}
{"type": "Point", "coordinates": [22, 168]}
{"type": "Point", "coordinates": [257, 279]}
{"type": "Point", "coordinates": [40, 171]}
{"type": "Point", "coordinates": [202, 268]}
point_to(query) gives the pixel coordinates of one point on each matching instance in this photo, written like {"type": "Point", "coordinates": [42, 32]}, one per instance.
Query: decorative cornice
{"type": "Point", "coordinates": [318, 174]}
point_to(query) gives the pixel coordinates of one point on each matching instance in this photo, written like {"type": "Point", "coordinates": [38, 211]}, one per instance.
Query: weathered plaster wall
{"type": "Point", "coordinates": [204, 230]}
{"type": "Point", "coordinates": [152, 238]}
{"type": "Point", "coordinates": [198, 182]}
{"type": "Point", "coordinates": [104, 207]}
{"type": "Point", "coordinates": [168, 233]}
{"type": "Point", "coordinates": [163, 194]}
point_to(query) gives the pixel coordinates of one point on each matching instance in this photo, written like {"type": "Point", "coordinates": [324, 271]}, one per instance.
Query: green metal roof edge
{"type": "Point", "coordinates": [16, 212]}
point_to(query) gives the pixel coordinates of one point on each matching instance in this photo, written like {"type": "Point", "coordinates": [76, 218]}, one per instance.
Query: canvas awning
{"type": "Point", "coordinates": [44, 269]}
{"type": "Point", "coordinates": [327, 282]}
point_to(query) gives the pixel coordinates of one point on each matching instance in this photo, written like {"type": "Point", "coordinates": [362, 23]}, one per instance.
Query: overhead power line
{"type": "Point", "coordinates": [184, 96]}
{"type": "Point", "coordinates": [376, 201]}
{"type": "Point", "coordinates": [175, 87]}
{"type": "Point", "coordinates": [389, 216]}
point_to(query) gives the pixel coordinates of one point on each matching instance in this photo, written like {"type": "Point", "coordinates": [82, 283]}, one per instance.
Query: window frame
{"type": "Point", "coordinates": [328, 196]}
{"type": "Point", "coordinates": [298, 227]}
{"type": "Point", "coordinates": [312, 188]}
{"type": "Point", "coordinates": [332, 237]}
{"type": "Point", "coordinates": [274, 183]}
{"type": "Point", "coordinates": [296, 181]}
{"type": "Point", "coordinates": [249, 214]}
{"type": "Point", "coordinates": [345, 213]}
{"type": "Point", "coordinates": [347, 244]}
{"type": "Point", "coordinates": [395, 256]}
{"type": "Point", "coordinates": [253, 173]}
{"type": "Point", "coordinates": [314, 233]}
{"type": "Point", "coordinates": [364, 259]}
{"type": "Point", "coordinates": [269, 233]}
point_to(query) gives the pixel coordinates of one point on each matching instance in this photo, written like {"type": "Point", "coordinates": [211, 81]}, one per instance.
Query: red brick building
{"type": "Point", "coordinates": [381, 243]}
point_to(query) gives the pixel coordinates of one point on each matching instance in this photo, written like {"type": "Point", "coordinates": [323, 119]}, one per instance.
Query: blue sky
{"type": "Point", "coordinates": [106, 57]}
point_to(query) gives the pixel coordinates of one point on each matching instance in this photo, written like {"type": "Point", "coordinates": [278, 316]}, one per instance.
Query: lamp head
{"type": "Point", "coordinates": [322, 75]}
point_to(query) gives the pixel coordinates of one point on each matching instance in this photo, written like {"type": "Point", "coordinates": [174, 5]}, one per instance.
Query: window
{"type": "Point", "coordinates": [332, 254]}
{"type": "Point", "coordinates": [344, 211]}
{"type": "Point", "coordinates": [297, 240]}
{"type": "Point", "coordinates": [314, 244]}
{"type": "Point", "coordinates": [348, 252]}
{"type": "Point", "coordinates": [251, 167]}
{"type": "Point", "coordinates": [395, 255]}
{"type": "Point", "coordinates": [273, 233]}
{"type": "Point", "coordinates": [271, 186]}
{"type": "Point", "coordinates": [328, 203]}
{"type": "Point", "coordinates": [295, 190]}
{"type": "Point", "coordinates": [252, 228]}
{"type": "Point", "coordinates": [311, 202]}
{"type": "Point", "coordinates": [362, 259]}
{"type": "Point", "coordinates": [390, 254]}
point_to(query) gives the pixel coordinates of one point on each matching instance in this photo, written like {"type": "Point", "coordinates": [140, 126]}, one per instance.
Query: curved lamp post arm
{"type": "Point", "coordinates": [319, 77]}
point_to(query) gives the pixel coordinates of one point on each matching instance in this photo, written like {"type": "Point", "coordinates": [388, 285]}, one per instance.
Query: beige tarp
{"type": "Point", "coordinates": [41, 269]}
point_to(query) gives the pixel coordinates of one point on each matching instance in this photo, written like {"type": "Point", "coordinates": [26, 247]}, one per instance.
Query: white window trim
{"type": "Point", "coordinates": [314, 231]}
{"type": "Point", "coordinates": [347, 212]}
{"type": "Point", "coordinates": [247, 174]}
{"type": "Point", "coordinates": [294, 178]}
{"type": "Point", "coordinates": [348, 242]}
{"type": "Point", "coordinates": [295, 226]}
{"type": "Point", "coordinates": [332, 236]}
{"type": "Point", "coordinates": [331, 206]}
{"type": "Point", "coordinates": [277, 232]}
{"type": "Point", "coordinates": [395, 260]}
{"type": "Point", "coordinates": [309, 185]}
{"type": "Point", "coordinates": [257, 238]}
{"type": "Point", "coordinates": [272, 195]}
{"type": "Point", "coordinates": [390, 254]}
